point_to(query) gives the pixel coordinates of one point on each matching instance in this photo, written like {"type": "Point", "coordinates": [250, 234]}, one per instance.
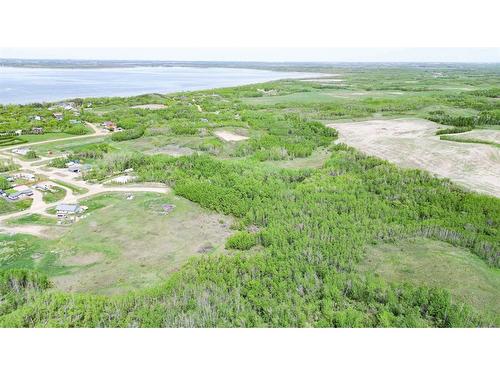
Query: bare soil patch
{"type": "Point", "coordinates": [82, 259]}
{"type": "Point", "coordinates": [152, 107]}
{"type": "Point", "coordinates": [479, 134]}
{"type": "Point", "coordinates": [229, 136]}
{"type": "Point", "coordinates": [412, 143]}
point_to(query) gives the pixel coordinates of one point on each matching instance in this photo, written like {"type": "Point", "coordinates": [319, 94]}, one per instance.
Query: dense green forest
{"type": "Point", "coordinates": [300, 233]}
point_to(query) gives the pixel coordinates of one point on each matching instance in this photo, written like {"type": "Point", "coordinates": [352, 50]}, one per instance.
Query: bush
{"type": "Point", "coordinates": [241, 241]}
{"type": "Point", "coordinates": [31, 155]}
{"type": "Point", "coordinates": [126, 135]}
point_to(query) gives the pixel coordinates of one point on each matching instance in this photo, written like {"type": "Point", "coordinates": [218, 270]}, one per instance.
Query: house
{"type": "Point", "coordinates": [20, 194]}
{"type": "Point", "coordinates": [64, 210]}
{"type": "Point", "coordinates": [37, 130]}
{"type": "Point", "coordinates": [21, 151]}
{"type": "Point", "coordinates": [58, 115]}
{"type": "Point", "coordinates": [73, 122]}
{"type": "Point", "coordinates": [42, 187]}
{"type": "Point", "coordinates": [76, 168]}
{"type": "Point", "coordinates": [18, 132]}
{"type": "Point", "coordinates": [109, 125]}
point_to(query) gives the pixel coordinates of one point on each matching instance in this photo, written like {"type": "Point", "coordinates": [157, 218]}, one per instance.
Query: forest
{"type": "Point", "coordinates": [299, 233]}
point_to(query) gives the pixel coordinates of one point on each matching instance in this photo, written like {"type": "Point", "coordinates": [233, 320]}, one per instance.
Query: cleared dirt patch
{"type": "Point", "coordinates": [172, 150]}
{"type": "Point", "coordinates": [412, 143]}
{"type": "Point", "coordinates": [82, 259]}
{"type": "Point", "coordinates": [152, 107]}
{"type": "Point", "coordinates": [229, 136]}
{"type": "Point", "coordinates": [479, 134]}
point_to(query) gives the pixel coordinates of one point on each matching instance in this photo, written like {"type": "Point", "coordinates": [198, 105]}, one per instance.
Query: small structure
{"type": "Point", "coordinates": [21, 151]}
{"type": "Point", "coordinates": [73, 121]}
{"type": "Point", "coordinates": [76, 167]}
{"type": "Point", "coordinates": [109, 125]}
{"type": "Point", "coordinates": [64, 210]}
{"type": "Point", "coordinates": [42, 187]}
{"type": "Point", "coordinates": [58, 115]}
{"type": "Point", "coordinates": [18, 132]}
{"type": "Point", "coordinates": [38, 130]}
{"type": "Point", "coordinates": [20, 194]}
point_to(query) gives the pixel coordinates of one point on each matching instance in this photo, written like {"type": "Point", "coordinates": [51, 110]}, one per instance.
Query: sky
{"type": "Point", "coordinates": [263, 30]}
{"type": "Point", "coordinates": [469, 55]}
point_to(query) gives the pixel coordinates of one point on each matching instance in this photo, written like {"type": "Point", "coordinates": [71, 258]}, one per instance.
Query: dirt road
{"type": "Point", "coordinates": [412, 143]}
{"type": "Point", "coordinates": [38, 206]}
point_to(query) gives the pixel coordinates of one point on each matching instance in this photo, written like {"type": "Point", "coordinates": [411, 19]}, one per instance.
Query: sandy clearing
{"type": "Point", "coordinates": [479, 134]}
{"type": "Point", "coordinates": [229, 137]}
{"type": "Point", "coordinates": [412, 143]}
{"type": "Point", "coordinates": [152, 107]}
{"type": "Point", "coordinates": [324, 80]}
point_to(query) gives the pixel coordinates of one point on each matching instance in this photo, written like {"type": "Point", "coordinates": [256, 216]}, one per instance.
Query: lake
{"type": "Point", "coordinates": [29, 85]}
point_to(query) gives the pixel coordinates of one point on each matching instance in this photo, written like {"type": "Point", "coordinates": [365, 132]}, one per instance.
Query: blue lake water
{"type": "Point", "coordinates": [29, 85]}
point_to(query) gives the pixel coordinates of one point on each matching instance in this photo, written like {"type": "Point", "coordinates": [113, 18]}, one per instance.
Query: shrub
{"type": "Point", "coordinates": [241, 241]}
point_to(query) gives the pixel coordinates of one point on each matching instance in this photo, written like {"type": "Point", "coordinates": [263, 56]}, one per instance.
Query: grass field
{"type": "Point", "coordinates": [35, 219]}
{"type": "Point", "coordinates": [434, 263]}
{"type": "Point", "coordinates": [13, 206]}
{"type": "Point", "coordinates": [124, 244]}
{"type": "Point", "coordinates": [55, 195]}
{"type": "Point", "coordinates": [75, 189]}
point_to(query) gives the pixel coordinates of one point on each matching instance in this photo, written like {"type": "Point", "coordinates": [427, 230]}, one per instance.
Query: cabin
{"type": "Point", "coordinates": [64, 210]}
{"type": "Point", "coordinates": [37, 130]}
{"type": "Point", "coordinates": [21, 151]}
{"type": "Point", "coordinates": [110, 126]}
{"type": "Point", "coordinates": [76, 168]}
{"type": "Point", "coordinates": [42, 187]}
{"type": "Point", "coordinates": [20, 194]}
{"type": "Point", "coordinates": [58, 115]}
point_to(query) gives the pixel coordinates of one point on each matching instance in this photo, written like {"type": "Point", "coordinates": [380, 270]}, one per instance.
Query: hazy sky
{"type": "Point", "coordinates": [264, 54]}
{"type": "Point", "coordinates": [312, 30]}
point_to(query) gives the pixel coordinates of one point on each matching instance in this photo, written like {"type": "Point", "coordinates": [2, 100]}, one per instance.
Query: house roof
{"type": "Point", "coordinates": [67, 207]}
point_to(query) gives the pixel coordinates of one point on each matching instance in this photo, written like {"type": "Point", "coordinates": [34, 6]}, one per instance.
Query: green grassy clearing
{"type": "Point", "coordinates": [7, 207]}
{"type": "Point", "coordinates": [55, 195]}
{"type": "Point", "coordinates": [75, 189]}
{"type": "Point", "coordinates": [438, 264]}
{"type": "Point", "coordinates": [35, 219]}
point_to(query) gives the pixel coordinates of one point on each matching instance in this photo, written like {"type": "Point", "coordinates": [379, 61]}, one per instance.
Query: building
{"type": "Point", "coordinates": [65, 210]}
{"type": "Point", "coordinates": [109, 125]}
{"type": "Point", "coordinates": [76, 168]}
{"type": "Point", "coordinates": [18, 132]}
{"type": "Point", "coordinates": [20, 194]}
{"type": "Point", "coordinates": [42, 187]}
{"type": "Point", "coordinates": [37, 130]}
{"type": "Point", "coordinates": [21, 151]}
{"type": "Point", "coordinates": [58, 115]}
{"type": "Point", "coordinates": [73, 121]}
